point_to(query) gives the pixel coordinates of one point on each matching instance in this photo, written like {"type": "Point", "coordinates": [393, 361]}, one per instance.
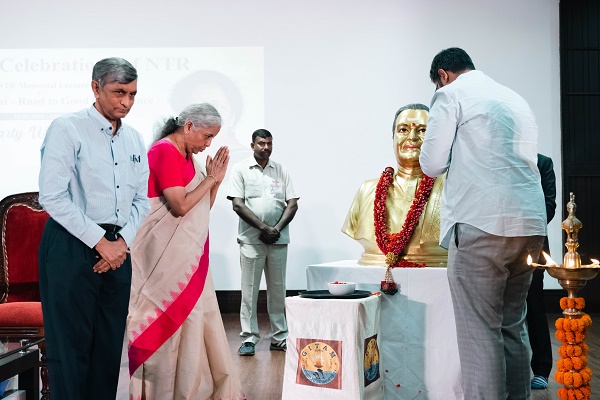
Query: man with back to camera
{"type": "Point", "coordinates": [263, 196]}
{"type": "Point", "coordinates": [492, 218]}
{"type": "Point", "coordinates": [93, 183]}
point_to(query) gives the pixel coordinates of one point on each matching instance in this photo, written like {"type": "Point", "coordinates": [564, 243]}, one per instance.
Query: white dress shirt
{"type": "Point", "coordinates": [89, 176]}
{"type": "Point", "coordinates": [485, 136]}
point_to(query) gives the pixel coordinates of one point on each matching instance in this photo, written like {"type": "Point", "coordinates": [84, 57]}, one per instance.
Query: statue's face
{"type": "Point", "coordinates": [408, 137]}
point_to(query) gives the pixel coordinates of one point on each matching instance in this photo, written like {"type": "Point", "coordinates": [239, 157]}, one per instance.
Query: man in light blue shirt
{"type": "Point", "coordinates": [492, 217]}
{"type": "Point", "coordinates": [93, 183]}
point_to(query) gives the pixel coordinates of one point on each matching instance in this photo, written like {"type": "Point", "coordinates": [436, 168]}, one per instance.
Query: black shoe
{"type": "Point", "coordinates": [246, 349]}
{"type": "Point", "coordinates": [279, 346]}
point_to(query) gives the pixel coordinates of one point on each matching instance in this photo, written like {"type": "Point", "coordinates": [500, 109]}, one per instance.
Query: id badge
{"type": "Point", "coordinates": [277, 188]}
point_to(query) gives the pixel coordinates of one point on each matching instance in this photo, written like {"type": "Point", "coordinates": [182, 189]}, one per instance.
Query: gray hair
{"type": "Point", "coordinates": [201, 115]}
{"type": "Point", "coordinates": [412, 106]}
{"type": "Point", "coordinates": [113, 69]}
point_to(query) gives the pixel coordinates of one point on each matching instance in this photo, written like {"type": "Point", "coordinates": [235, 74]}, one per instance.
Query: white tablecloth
{"type": "Point", "coordinates": [419, 352]}
{"type": "Point", "coordinates": [326, 345]}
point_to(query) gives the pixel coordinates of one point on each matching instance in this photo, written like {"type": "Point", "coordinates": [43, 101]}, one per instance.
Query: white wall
{"type": "Point", "coordinates": [334, 74]}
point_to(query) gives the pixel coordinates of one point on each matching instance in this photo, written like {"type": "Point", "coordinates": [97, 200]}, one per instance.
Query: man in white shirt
{"type": "Point", "coordinates": [263, 196]}
{"type": "Point", "coordinates": [492, 218]}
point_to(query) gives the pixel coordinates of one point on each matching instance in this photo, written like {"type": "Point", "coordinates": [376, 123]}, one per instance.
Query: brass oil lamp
{"type": "Point", "coordinates": [573, 371]}
{"type": "Point", "coordinates": [571, 275]}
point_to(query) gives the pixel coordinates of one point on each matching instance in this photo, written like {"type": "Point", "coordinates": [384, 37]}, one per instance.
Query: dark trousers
{"type": "Point", "coordinates": [84, 316]}
{"type": "Point", "coordinates": [537, 324]}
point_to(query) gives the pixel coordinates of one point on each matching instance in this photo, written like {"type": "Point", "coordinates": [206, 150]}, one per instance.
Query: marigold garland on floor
{"type": "Point", "coordinates": [392, 244]}
{"type": "Point", "coordinates": [572, 370]}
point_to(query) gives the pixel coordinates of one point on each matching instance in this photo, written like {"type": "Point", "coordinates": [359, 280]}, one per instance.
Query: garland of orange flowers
{"type": "Point", "coordinates": [392, 244]}
{"type": "Point", "coordinates": [572, 368]}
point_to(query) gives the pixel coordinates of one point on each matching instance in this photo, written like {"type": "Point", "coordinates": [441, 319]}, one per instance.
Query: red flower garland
{"type": "Point", "coordinates": [572, 369]}
{"type": "Point", "coordinates": [392, 244]}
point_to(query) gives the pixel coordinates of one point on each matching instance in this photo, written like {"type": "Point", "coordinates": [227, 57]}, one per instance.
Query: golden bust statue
{"type": "Point", "coordinates": [410, 124]}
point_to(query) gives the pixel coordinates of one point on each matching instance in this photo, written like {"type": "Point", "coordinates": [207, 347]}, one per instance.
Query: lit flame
{"type": "Point", "coordinates": [549, 260]}
{"type": "Point", "coordinates": [571, 263]}
{"type": "Point", "coordinates": [529, 260]}
{"type": "Point", "coordinates": [594, 261]}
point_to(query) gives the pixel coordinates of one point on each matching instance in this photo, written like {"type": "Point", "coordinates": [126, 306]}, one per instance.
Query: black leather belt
{"type": "Point", "coordinates": [110, 228]}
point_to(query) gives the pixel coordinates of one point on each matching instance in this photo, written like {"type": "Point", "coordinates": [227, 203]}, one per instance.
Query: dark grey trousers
{"type": "Point", "coordinates": [489, 279]}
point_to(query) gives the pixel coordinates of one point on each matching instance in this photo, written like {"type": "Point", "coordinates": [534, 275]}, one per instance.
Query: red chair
{"type": "Point", "coordinates": [22, 221]}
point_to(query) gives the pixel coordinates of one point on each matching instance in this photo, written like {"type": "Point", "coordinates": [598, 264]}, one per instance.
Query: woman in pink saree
{"type": "Point", "coordinates": [177, 343]}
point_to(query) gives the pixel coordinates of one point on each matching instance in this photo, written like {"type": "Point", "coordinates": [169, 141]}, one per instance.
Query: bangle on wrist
{"type": "Point", "coordinates": [213, 178]}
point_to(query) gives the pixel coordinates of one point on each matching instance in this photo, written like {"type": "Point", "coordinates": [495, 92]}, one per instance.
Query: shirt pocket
{"type": "Point", "coordinates": [277, 189]}
{"type": "Point", "coordinates": [135, 160]}
{"type": "Point", "coordinates": [133, 176]}
{"type": "Point", "coordinates": [253, 189]}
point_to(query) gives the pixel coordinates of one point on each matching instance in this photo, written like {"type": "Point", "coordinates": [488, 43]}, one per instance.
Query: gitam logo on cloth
{"type": "Point", "coordinates": [371, 360]}
{"type": "Point", "coordinates": [319, 363]}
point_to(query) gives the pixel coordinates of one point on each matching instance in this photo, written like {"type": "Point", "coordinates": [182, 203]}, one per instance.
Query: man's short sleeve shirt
{"type": "Point", "coordinates": [265, 192]}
